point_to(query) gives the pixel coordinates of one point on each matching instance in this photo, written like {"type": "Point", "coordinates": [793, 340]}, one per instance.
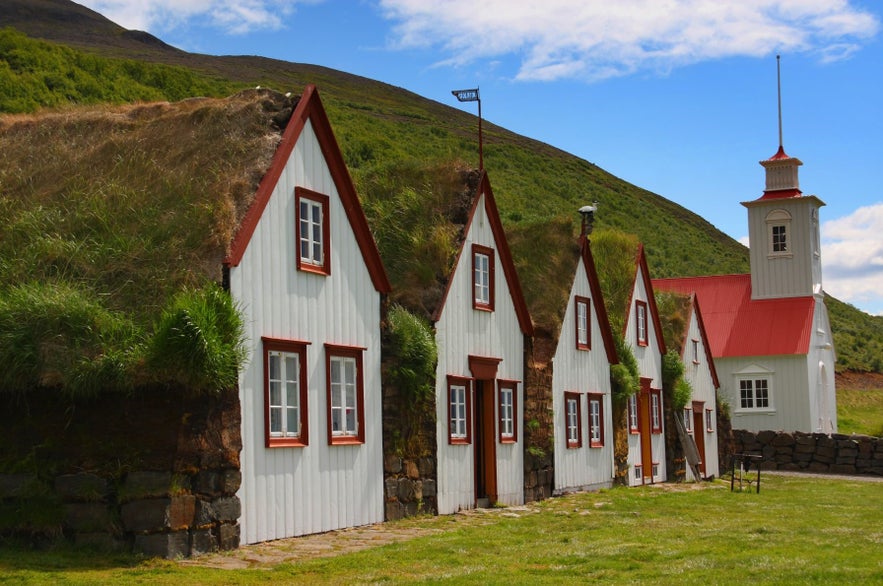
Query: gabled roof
{"type": "Point", "coordinates": [739, 326]}
{"type": "Point", "coordinates": [309, 107]}
{"type": "Point", "coordinates": [598, 300]}
{"type": "Point", "coordinates": [502, 248]}
{"type": "Point", "coordinates": [642, 269]}
{"type": "Point", "coordinates": [700, 321]}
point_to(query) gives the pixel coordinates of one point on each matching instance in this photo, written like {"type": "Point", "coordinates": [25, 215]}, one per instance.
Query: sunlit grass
{"type": "Point", "coordinates": [860, 411]}
{"type": "Point", "coordinates": [797, 530]}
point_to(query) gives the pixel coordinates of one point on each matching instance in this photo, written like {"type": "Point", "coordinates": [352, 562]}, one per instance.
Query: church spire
{"type": "Point", "coordinates": [781, 170]}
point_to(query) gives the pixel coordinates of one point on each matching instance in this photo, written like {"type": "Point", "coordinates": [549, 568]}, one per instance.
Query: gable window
{"type": "Point", "coordinates": [583, 330]}
{"type": "Point", "coordinates": [507, 410]}
{"type": "Point", "coordinates": [596, 420]}
{"type": "Point", "coordinates": [655, 411]}
{"type": "Point", "coordinates": [633, 414]}
{"type": "Point", "coordinates": [754, 393]}
{"type": "Point", "coordinates": [641, 322]}
{"type": "Point", "coordinates": [346, 395]}
{"type": "Point", "coordinates": [573, 420]}
{"type": "Point", "coordinates": [285, 393]}
{"type": "Point", "coordinates": [482, 277]}
{"type": "Point", "coordinates": [688, 420]}
{"type": "Point", "coordinates": [779, 228]}
{"type": "Point", "coordinates": [695, 345]}
{"type": "Point", "coordinates": [312, 231]}
{"type": "Point", "coordinates": [709, 421]}
{"type": "Point", "coordinates": [459, 410]}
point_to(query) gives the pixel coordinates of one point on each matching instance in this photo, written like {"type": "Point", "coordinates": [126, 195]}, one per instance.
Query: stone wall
{"type": "Point", "coordinates": [409, 487]}
{"type": "Point", "coordinates": [813, 452]}
{"type": "Point", "coordinates": [539, 462]}
{"type": "Point", "coordinates": [155, 472]}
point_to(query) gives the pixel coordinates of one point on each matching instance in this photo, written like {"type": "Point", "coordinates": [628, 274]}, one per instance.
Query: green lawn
{"type": "Point", "coordinates": [860, 411]}
{"type": "Point", "coordinates": [797, 530]}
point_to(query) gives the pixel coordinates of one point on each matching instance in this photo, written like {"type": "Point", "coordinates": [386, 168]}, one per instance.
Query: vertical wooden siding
{"type": "Point", "coordinates": [699, 377]}
{"type": "Point", "coordinates": [296, 491]}
{"type": "Point", "coordinates": [649, 360]}
{"type": "Point", "coordinates": [773, 277]}
{"type": "Point", "coordinates": [583, 372]}
{"type": "Point", "coordinates": [461, 331]}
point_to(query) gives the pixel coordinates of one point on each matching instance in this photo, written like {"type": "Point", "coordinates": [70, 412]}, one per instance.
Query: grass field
{"type": "Point", "coordinates": [860, 411]}
{"type": "Point", "coordinates": [797, 530]}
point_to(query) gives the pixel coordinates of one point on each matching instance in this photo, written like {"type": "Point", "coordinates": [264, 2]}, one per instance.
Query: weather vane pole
{"type": "Point", "coordinates": [471, 95]}
{"type": "Point", "coordinates": [779, 88]}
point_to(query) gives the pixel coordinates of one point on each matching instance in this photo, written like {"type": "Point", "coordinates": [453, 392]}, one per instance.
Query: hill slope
{"type": "Point", "coordinates": [393, 139]}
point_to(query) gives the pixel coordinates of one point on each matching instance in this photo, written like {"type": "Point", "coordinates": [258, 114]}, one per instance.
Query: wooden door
{"type": "Point", "coordinates": [485, 444]}
{"type": "Point", "coordinates": [699, 433]}
{"type": "Point", "coordinates": [644, 430]}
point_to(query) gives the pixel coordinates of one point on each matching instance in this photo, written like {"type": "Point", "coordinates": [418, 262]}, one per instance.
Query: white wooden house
{"type": "Point", "coordinates": [581, 399]}
{"type": "Point", "coordinates": [769, 330]}
{"type": "Point", "coordinates": [306, 273]}
{"type": "Point", "coordinates": [480, 328]}
{"type": "Point", "coordinates": [700, 414]}
{"type": "Point", "coordinates": [645, 417]}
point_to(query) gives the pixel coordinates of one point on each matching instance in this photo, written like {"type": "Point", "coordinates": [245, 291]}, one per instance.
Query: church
{"type": "Point", "coordinates": [769, 330]}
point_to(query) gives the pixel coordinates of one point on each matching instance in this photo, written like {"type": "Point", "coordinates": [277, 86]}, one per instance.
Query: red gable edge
{"type": "Point", "coordinates": [641, 264]}
{"type": "Point", "coordinates": [740, 326]}
{"type": "Point", "coordinates": [310, 108]}
{"type": "Point", "coordinates": [694, 308]}
{"type": "Point", "coordinates": [598, 300]}
{"type": "Point", "coordinates": [490, 206]}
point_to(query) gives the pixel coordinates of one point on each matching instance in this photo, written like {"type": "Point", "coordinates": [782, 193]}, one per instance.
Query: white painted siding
{"type": "Point", "coordinates": [462, 331]}
{"type": "Point", "coordinates": [295, 491]}
{"type": "Point", "coordinates": [788, 392]}
{"type": "Point", "coordinates": [649, 360]}
{"type": "Point", "coordinates": [583, 372]}
{"type": "Point", "coordinates": [698, 374]}
{"type": "Point", "coordinates": [820, 373]}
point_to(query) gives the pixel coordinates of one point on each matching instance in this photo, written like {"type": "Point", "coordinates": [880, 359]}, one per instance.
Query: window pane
{"type": "Point", "coordinates": [274, 366]}
{"type": "Point", "coordinates": [275, 420]}
{"type": "Point", "coordinates": [293, 422]}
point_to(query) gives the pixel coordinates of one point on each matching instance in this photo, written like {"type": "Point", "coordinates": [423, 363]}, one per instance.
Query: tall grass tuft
{"type": "Point", "coordinates": [58, 335]}
{"type": "Point", "coordinates": [198, 341]}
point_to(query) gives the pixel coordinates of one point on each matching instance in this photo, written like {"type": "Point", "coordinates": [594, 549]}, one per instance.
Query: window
{"type": "Point", "coordinates": [778, 227]}
{"type": "Point", "coordinates": [655, 411]}
{"type": "Point", "coordinates": [508, 411]}
{"type": "Point", "coordinates": [312, 231]}
{"type": "Point", "coordinates": [695, 344]}
{"type": "Point", "coordinates": [754, 393]}
{"type": "Point", "coordinates": [583, 329]}
{"type": "Point", "coordinates": [346, 395]}
{"type": "Point", "coordinates": [633, 414]}
{"type": "Point", "coordinates": [573, 420]}
{"type": "Point", "coordinates": [482, 277]}
{"type": "Point", "coordinates": [688, 420]}
{"type": "Point", "coordinates": [596, 420]}
{"type": "Point", "coordinates": [641, 322]}
{"type": "Point", "coordinates": [709, 420]}
{"type": "Point", "coordinates": [285, 393]}
{"type": "Point", "coordinates": [459, 410]}
{"type": "Point", "coordinates": [638, 471]}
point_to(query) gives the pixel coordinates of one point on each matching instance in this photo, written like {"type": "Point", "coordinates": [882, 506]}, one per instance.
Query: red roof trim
{"type": "Point", "coordinates": [503, 253]}
{"type": "Point", "coordinates": [598, 300]}
{"type": "Point", "coordinates": [780, 154]}
{"type": "Point", "coordinates": [781, 193]}
{"type": "Point", "coordinates": [310, 108]}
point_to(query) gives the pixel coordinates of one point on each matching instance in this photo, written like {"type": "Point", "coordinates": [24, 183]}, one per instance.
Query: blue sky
{"type": "Point", "coordinates": [676, 96]}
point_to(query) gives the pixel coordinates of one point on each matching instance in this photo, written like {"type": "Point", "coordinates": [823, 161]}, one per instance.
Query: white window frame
{"type": "Point", "coordinates": [290, 394]}
{"type": "Point", "coordinates": [641, 329]}
{"type": "Point", "coordinates": [688, 419]}
{"type": "Point", "coordinates": [583, 323]}
{"type": "Point", "coordinates": [695, 344]}
{"type": "Point", "coordinates": [633, 414]}
{"type": "Point", "coordinates": [313, 238]}
{"type": "Point", "coordinates": [753, 384]}
{"type": "Point", "coordinates": [655, 411]}
{"type": "Point", "coordinates": [779, 234]}
{"type": "Point", "coordinates": [709, 420]}
{"type": "Point", "coordinates": [507, 399]}
{"type": "Point", "coordinates": [483, 277]}
{"type": "Point", "coordinates": [459, 410]}
{"type": "Point", "coordinates": [596, 420]}
{"type": "Point", "coordinates": [573, 420]}
{"type": "Point", "coordinates": [345, 394]}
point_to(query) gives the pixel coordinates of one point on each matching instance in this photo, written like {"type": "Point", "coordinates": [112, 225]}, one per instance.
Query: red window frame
{"type": "Point", "coordinates": [656, 405]}
{"type": "Point", "coordinates": [578, 442]}
{"type": "Point", "coordinates": [291, 347]}
{"type": "Point", "coordinates": [510, 385]}
{"type": "Point", "coordinates": [466, 383]}
{"type": "Point", "coordinates": [586, 302]}
{"type": "Point", "coordinates": [303, 265]}
{"type": "Point", "coordinates": [476, 303]}
{"type": "Point", "coordinates": [334, 351]}
{"type": "Point", "coordinates": [641, 334]}
{"type": "Point", "coordinates": [599, 399]}
{"type": "Point", "coordinates": [634, 415]}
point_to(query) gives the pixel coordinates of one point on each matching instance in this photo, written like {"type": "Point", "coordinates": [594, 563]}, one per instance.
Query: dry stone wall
{"type": "Point", "coordinates": [813, 452]}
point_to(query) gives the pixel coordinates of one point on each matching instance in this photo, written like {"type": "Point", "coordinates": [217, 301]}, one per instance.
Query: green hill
{"type": "Point", "coordinates": [398, 146]}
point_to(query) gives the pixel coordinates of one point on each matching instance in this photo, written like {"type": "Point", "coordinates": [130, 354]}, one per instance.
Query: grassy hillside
{"type": "Point", "coordinates": [399, 146]}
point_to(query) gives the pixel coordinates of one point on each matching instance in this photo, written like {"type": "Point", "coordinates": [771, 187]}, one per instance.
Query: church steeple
{"type": "Point", "coordinates": [783, 230]}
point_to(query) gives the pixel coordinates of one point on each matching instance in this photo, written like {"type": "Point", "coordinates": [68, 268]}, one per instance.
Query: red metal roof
{"type": "Point", "coordinates": [739, 326]}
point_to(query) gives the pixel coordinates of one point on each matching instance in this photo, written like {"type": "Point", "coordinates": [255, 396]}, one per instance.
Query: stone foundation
{"type": "Point", "coordinates": [813, 452]}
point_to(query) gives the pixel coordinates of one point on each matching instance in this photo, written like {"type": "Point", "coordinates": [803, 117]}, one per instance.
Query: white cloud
{"type": "Point", "coordinates": [852, 257]}
{"type": "Point", "coordinates": [230, 16]}
{"type": "Point", "coordinates": [598, 39]}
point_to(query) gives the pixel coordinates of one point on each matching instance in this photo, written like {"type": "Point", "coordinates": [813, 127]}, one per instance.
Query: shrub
{"type": "Point", "coordinates": [198, 341]}
{"type": "Point", "coordinates": [624, 377]}
{"type": "Point", "coordinates": [415, 354]}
